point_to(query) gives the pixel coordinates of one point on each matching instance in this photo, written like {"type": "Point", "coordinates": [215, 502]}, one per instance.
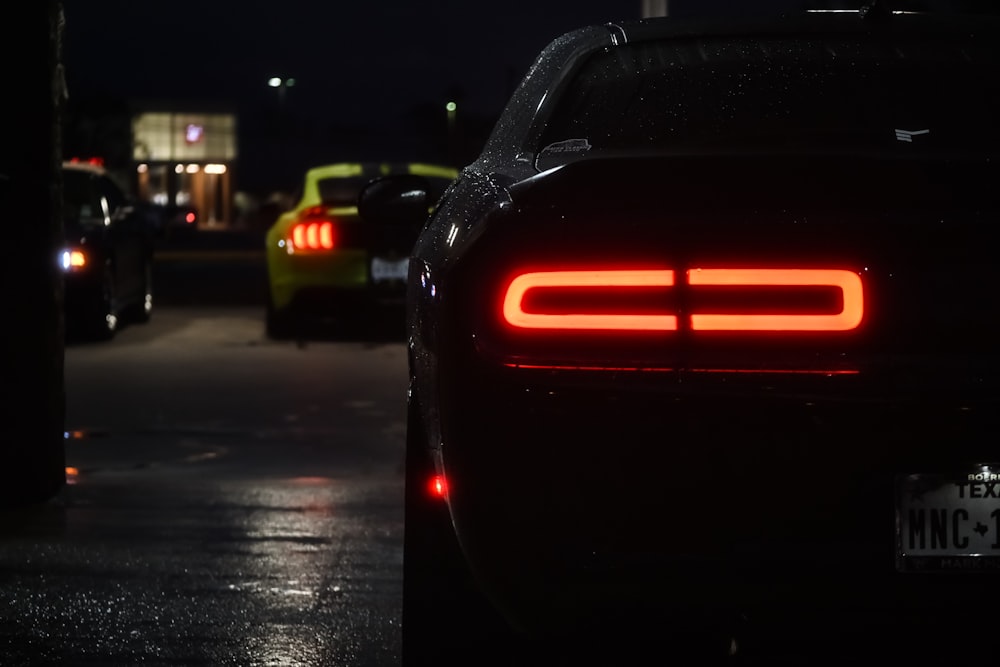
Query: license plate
{"type": "Point", "coordinates": [389, 269]}
{"type": "Point", "coordinates": [949, 522]}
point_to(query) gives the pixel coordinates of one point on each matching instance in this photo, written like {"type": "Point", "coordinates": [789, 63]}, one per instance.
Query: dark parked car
{"type": "Point", "coordinates": [703, 350]}
{"type": "Point", "coordinates": [108, 258]}
{"type": "Point", "coordinates": [170, 221]}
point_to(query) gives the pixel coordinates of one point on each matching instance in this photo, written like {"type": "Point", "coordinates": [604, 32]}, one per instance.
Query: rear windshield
{"type": "Point", "coordinates": [80, 198]}
{"type": "Point", "coordinates": [344, 191]}
{"type": "Point", "coordinates": [341, 191]}
{"type": "Point", "coordinates": [780, 93]}
{"type": "Point", "coordinates": [76, 188]}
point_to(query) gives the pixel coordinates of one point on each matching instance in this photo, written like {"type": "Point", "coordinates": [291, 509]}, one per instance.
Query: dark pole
{"type": "Point", "coordinates": [32, 405]}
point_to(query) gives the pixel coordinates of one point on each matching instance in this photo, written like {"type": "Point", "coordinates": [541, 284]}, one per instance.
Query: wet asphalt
{"type": "Point", "coordinates": [230, 500]}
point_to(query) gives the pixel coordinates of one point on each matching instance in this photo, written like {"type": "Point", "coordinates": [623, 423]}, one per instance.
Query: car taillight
{"type": "Point", "coordinates": [564, 310]}
{"type": "Point", "coordinates": [315, 232]}
{"type": "Point", "coordinates": [706, 299]}
{"type": "Point", "coordinates": [190, 218]}
{"type": "Point", "coordinates": [801, 300]}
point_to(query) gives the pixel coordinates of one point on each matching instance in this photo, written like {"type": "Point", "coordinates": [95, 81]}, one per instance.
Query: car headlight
{"type": "Point", "coordinates": [72, 259]}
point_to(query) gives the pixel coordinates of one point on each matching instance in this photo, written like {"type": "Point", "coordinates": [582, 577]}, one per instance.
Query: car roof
{"type": "Point", "coordinates": [310, 191]}
{"type": "Point", "coordinates": [800, 22]}
{"type": "Point", "coordinates": [348, 169]}
{"type": "Point", "coordinates": [510, 143]}
{"type": "Point", "coordinates": [90, 167]}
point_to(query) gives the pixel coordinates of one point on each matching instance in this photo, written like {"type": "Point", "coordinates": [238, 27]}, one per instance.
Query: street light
{"type": "Point", "coordinates": [451, 108]}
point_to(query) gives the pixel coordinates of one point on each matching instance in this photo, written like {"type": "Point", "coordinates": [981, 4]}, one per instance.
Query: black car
{"type": "Point", "coordinates": [170, 221]}
{"type": "Point", "coordinates": [703, 350]}
{"type": "Point", "coordinates": [108, 258]}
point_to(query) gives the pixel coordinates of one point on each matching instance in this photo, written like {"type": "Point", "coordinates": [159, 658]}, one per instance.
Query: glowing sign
{"type": "Point", "coordinates": [194, 134]}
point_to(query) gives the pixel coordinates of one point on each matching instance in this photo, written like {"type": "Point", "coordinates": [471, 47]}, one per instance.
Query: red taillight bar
{"type": "Point", "coordinates": [848, 282]}
{"type": "Point", "coordinates": [513, 303]}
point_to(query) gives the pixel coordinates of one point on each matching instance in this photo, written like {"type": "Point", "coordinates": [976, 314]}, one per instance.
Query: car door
{"type": "Point", "coordinates": [127, 240]}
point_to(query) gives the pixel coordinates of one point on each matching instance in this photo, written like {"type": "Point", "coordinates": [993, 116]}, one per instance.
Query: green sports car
{"type": "Point", "coordinates": [325, 260]}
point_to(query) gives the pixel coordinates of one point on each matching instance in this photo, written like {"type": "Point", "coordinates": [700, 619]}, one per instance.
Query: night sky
{"type": "Point", "coordinates": [372, 78]}
{"type": "Point", "coordinates": [348, 57]}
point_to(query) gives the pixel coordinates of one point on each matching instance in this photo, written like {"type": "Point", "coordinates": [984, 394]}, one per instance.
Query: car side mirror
{"type": "Point", "coordinates": [396, 199]}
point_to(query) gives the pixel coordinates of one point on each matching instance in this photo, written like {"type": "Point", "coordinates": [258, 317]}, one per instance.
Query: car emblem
{"type": "Point", "coordinates": [907, 135]}
{"type": "Point", "coordinates": [567, 146]}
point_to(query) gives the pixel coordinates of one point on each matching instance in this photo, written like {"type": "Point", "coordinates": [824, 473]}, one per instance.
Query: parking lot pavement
{"type": "Point", "coordinates": [221, 267]}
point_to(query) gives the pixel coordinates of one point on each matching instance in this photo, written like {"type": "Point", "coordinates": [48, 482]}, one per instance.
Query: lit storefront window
{"type": "Point", "coordinates": [184, 137]}
{"type": "Point", "coordinates": [185, 159]}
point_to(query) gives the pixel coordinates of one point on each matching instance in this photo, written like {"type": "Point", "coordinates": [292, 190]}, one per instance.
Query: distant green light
{"type": "Point", "coordinates": [451, 106]}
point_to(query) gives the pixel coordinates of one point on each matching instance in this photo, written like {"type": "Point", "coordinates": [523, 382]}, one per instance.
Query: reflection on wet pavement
{"type": "Point", "coordinates": [183, 569]}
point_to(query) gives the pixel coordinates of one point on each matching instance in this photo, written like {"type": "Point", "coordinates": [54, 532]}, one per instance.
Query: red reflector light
{"type": "Point", "coordinates": [515, 314]}
{"type": "Point", "coordinates": [313, 235]}
{"type": "Point", "coordinates": [189, 218]}
{"type": "Point", "coordinates": [438, 487]}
